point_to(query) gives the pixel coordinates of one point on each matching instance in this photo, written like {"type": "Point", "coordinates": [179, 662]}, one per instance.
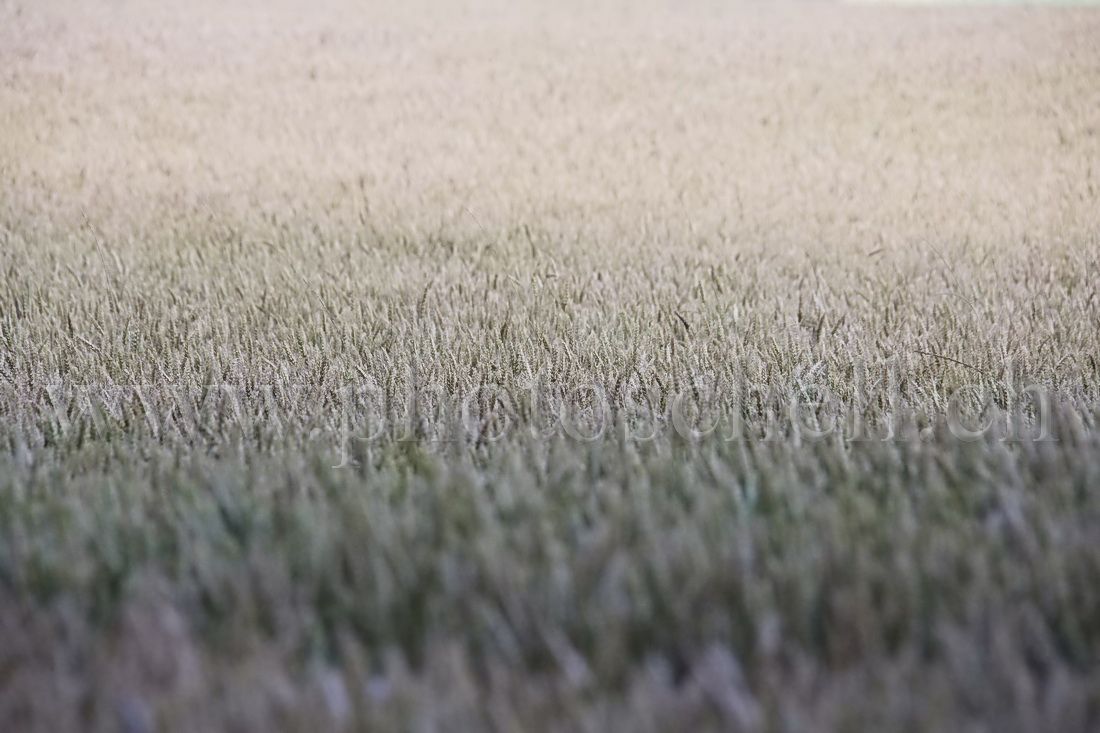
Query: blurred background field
{"type": "Point", "coordinates": [279, 202]}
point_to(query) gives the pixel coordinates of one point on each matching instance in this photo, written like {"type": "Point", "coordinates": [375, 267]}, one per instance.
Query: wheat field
{"type": "Point", "coordinates": [529, 367]}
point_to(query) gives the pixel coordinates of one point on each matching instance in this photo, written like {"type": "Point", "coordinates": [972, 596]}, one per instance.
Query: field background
{"type": "Point", "coordinates": [293, 199]}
